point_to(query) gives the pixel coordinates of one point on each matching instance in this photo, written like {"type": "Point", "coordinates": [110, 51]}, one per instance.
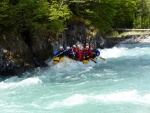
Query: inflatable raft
{"type": "Point", "coordinates": [57, 60]}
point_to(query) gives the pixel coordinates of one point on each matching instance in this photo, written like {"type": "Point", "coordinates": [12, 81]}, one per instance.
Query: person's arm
{"type": "Point", "coordinates": [57, 53]}
{"type": "Point", "coordinates": [65, 53]}
{"type": "Point", "coordinates": [97, 52]}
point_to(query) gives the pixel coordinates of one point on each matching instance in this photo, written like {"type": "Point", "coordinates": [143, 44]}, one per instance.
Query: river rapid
{"type": "Point", "coordinates": [121, 84]}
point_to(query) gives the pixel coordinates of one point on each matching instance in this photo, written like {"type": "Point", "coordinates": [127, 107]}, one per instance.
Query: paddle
{"type": "Point", "coordinates": [102, 58]}
{"type": "Point", "coordinates": [60, 53]}
{"type": "Point", "coordinates": [48, 60]}
{"type": "Point", "coordinates": [93, 60]}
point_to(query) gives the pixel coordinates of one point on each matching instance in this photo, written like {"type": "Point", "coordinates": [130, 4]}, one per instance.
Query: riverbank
{"type": "Point", "coordinates": [128, 36]}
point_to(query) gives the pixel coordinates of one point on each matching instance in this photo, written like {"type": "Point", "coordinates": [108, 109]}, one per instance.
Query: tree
{"type": "Point", "coordinates": [59, 13]}
{"type": "Point", "coordinates": [97, 13]}
{"type": "Point", "coordinates": [125, 11]}
{"type": "Point", "coordinates": [54, 15]}
{"type": "Point", "coordinates": [142, 18]}
{"type": "Point", "coordinates": [4, 14]}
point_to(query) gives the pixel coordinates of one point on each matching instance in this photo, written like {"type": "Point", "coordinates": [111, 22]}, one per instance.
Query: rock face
{"type": "Point", "coordinates": [23, 52]}
{"type": "Point", "coordinates": [79, 33]}
{"type": "Point", "coordinates": [137, 39]}
{"type": "Point", "coordinates": [82, 33]}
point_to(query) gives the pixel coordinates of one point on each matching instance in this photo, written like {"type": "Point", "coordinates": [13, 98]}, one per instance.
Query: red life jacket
{"type": "Point", "coordinates": [75, 49]}
{"type": "Point", "coordinates": [88, 53]}
{"type": "Point", "coordinates": [80, 55]}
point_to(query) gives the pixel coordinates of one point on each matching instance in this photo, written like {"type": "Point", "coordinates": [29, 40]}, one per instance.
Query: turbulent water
{"type": "Point", "coordinates": [121, 84]}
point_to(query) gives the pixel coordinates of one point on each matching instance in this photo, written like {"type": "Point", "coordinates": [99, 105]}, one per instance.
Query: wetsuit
{"type": "Point", "coordinates": [95, 53]}
{"type": "Point", "coordinates": [69, 53]}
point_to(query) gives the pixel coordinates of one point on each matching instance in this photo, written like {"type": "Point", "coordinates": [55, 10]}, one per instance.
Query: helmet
{"type": "Point", "coordinates": [61, 47]}
{"type": "Point", "coordinates": [74, 45]}
{"type": "Point", "coordinates": [87, 47]}
{"type": "Point", "coordinates": [78, 46]}
{"type": "Point", "coordinates": [81, 48]}
{"type": "Point", "coordinates": [67, 47]}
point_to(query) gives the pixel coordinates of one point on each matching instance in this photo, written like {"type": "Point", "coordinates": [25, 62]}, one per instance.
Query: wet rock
{"type": "Point", "coordinates": [137, 39]}
{"type": "Point", "coordinates": [18, 56]}
{"type": "Point", "coordinates": [79, 32]}
{"type": "Point", "coordinates": [11, 64]}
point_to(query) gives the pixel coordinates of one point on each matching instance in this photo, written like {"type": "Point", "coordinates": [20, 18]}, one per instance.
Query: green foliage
{"type": "Point", "coordinates": [96, 13]}
{"type": "Point", "coordinates": [142, 18]}
{"type": "Point", "coordinates": [3, 8]}
{"type": "Point", "coordinates": [4, 13]}
{"type": "Point", "coordinates": [125, 14]}
{"type": "Point", "coordinates": [59, 13]}
{"type": "Point", "coordinates": [32, 13]}
{"type": "Point", "coordinates": [54, 15]}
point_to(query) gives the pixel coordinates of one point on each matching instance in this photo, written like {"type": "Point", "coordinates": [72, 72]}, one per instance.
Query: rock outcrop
{"type": "Point", "coordinates": [22, 52]}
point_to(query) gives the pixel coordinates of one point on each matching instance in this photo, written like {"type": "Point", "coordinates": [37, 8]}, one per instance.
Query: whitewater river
{"type": "Point", "coordinates": [119, 85]}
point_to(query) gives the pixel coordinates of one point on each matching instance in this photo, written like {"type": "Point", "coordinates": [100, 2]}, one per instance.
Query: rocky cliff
{"type": "Point", "coordinates": [22, 52]}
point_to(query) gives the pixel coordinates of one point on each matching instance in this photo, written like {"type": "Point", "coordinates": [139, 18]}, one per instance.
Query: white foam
{"type": "Point", "coordinates": [125, 96]}
{"type": "Point", "coordinates": [70, 101]}
{"type": "Point", "coordinates": [124, 51]}
{"type": "Point", "coordinates": [119, 97]}
{"type": "Point", "coordinates": [98, 75]}
{"type": "Point", "coordinates": [69, 65]}
{"type": "Point", "coordinates": [113, 52]}
{"type": "Point", "coordinates": [25, 82]}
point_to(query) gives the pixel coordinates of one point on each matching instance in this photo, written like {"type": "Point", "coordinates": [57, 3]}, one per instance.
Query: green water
{"type": "Point", "coordinates": [119, 85]}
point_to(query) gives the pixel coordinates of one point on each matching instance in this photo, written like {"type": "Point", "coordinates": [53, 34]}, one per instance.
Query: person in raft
{"type": "Point", "coordinates": [87, 53]}
{"type": "Point", "coordinates": [75, 51]}
{"type": "Point", "coordinates": [95, 52]}
{"type": "Point", "coordinates": [60, 52]}
{"type": "Point", "coordinates": [80, 54]}
{"type": "Point", "coordinates": [69, 52]}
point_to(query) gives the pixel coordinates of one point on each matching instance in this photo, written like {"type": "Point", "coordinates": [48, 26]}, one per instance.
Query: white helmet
{"type": "Point", "coordinates": [87, 47]}
{"type": "Point", "coordinates": [74, 45]}
{"type": "Point", "coordinates": [81, 48]}
{"type": "Point", "coordinates": [67, 47]}
{"type": "Point", "coordinates": [78, 46]}
{"type": "Point", "coordinates": [61, 47]}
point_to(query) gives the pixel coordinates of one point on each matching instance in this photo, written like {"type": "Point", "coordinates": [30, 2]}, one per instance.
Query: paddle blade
{"type": "Point", "coordinates": [102, 58]}
{"type": "Point", "coordinates": [93, 59]}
